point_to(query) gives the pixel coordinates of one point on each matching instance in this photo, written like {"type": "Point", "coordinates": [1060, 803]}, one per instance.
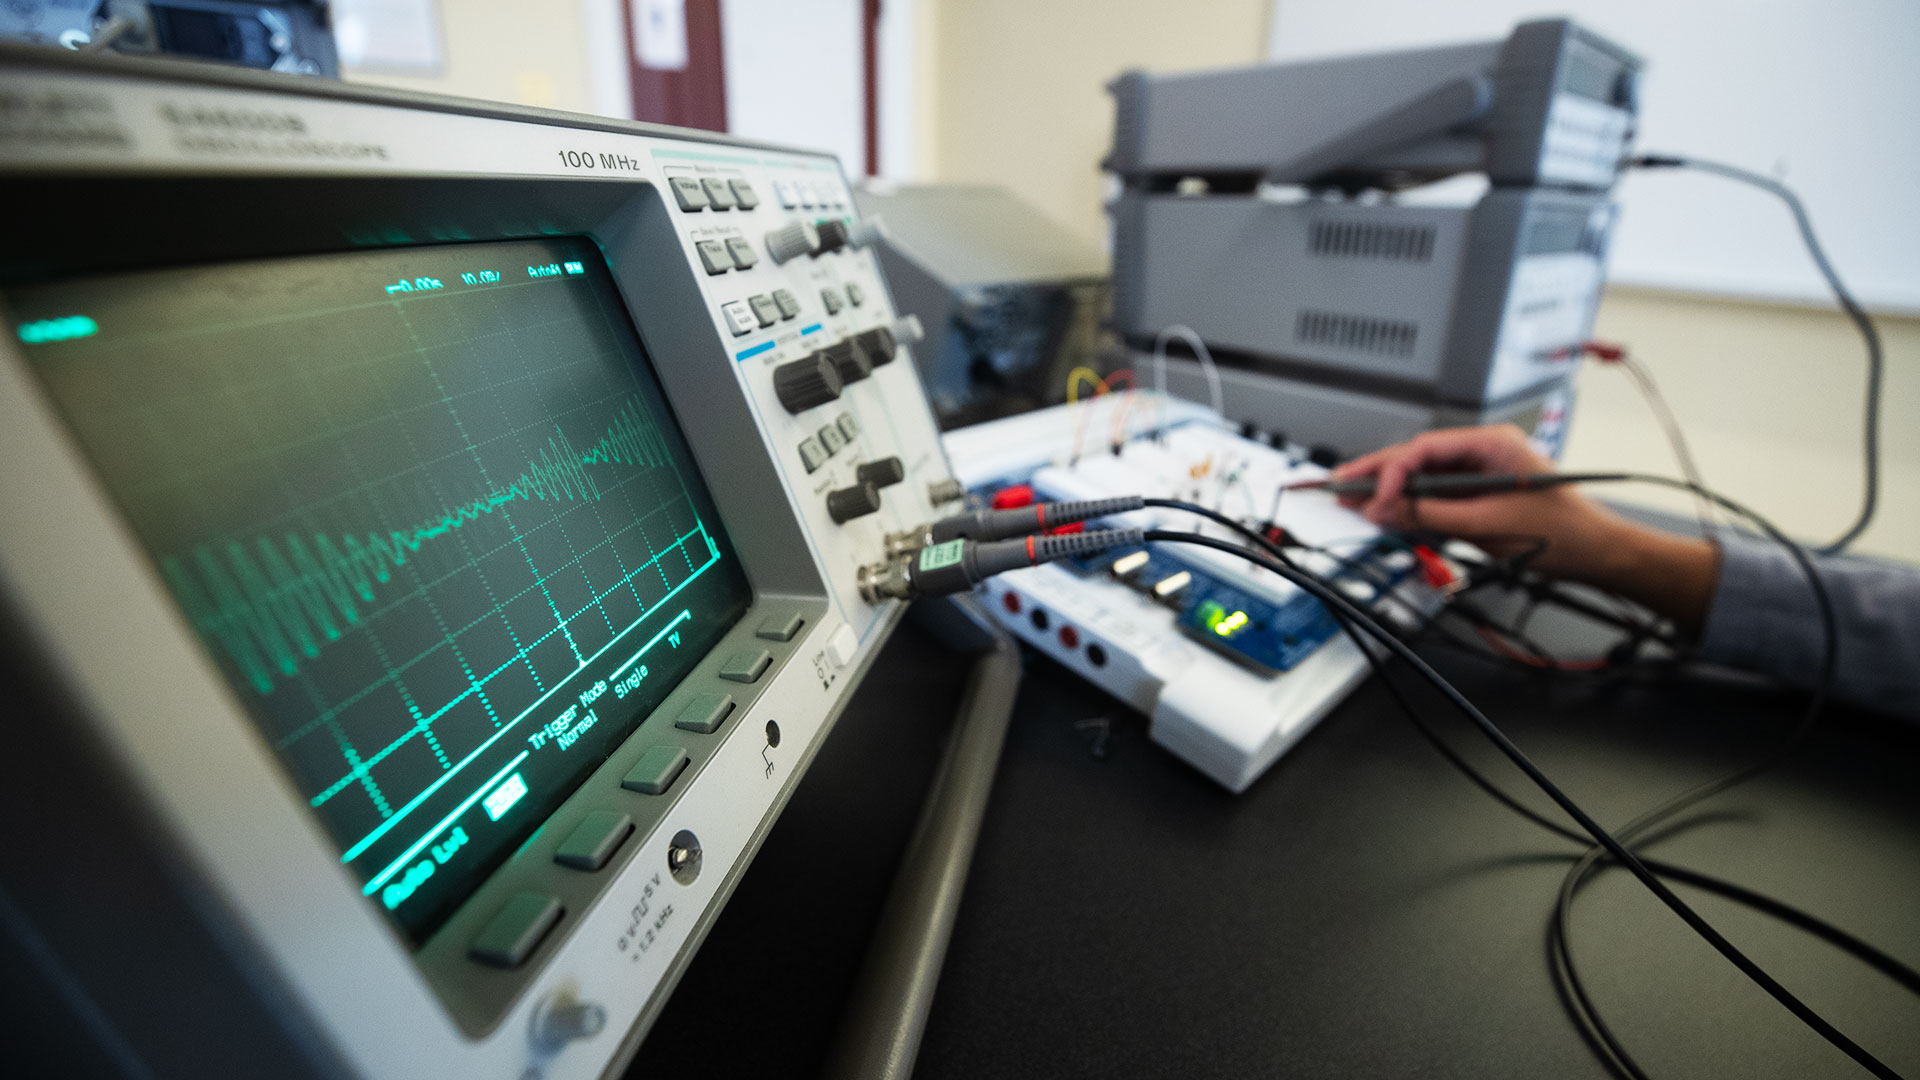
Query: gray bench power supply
{"type": "Point", "coordinates": [1265, 208]}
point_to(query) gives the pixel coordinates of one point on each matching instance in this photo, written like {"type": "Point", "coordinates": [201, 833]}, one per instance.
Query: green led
{"type": "Point", "coordinates": [1215, 617]}
{"type": "Point", "coordinates": [1211, 613]}
{"type": "Point", "coordinates": [70, 328]}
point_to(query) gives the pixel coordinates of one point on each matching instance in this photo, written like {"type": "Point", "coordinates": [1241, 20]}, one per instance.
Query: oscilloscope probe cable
{"type": "Point", "coordinates": [1022, 520]}
{"type": "Point", "coordinates": [1858, 315]}
{"type": "Point", "coordinates": [1274, 558]}
{"type": "Point", "coordinates": [975, 560]}
{"type": "Point", "coordinates": [959, 565]}
{"type": "Point", "coordinates": [1596, 1029]}
{"type": "Point", "coordinates": [1605, 839]}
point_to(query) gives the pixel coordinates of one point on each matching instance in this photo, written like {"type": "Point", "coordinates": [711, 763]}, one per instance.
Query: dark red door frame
{"type": "Point", "coordinates": [695, 97]}
{"type": "Point", "coordinates": [870, 79]}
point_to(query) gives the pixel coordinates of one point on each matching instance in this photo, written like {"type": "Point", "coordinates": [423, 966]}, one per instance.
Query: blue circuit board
{"type": "Point", "coordinates": [1235, 622]}
{"type": "Point", "coordinates": [1212, 608]}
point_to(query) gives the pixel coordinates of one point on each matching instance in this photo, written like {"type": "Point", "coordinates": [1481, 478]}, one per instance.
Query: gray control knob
{"type": "Point", "coordinates": [879, 345]}
{"type": "Point", "coordinates": [883, 473]}
{"type": "Point", "coordinates": [908, 330]}
{"type": "Point", "coordinates": [805, 383]}
{"type": "Point", "coordinates": [945, 490]}
{"type": "Point", "coordinates": [883, 342]}
{"type": "Point", "coordinates": [851, 502]}
{"type": "Point", "coordinates": [866, 231]}
{"type": "Point", "coordinates": [792, 240]}
{"type": "Point", "coordinates": [851, 359]}
{"type": "Point", "coordinates": [561, 1019]}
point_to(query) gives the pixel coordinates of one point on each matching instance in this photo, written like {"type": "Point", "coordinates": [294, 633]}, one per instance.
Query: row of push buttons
{"type": "Point", "coordinates": [830, 297]}
{"type": "Point", "coordinates": [696, 193]}
{"type": "Point", "coordinates": [511, 935]}
{"type": "Point", "coordinates": [816, 449]}
{"type": "Point", "coordinates": [721, 256]}
{"type": "Point", "coordinates": [760, 309]}
{"type": "Point", "coordinates": [803, 193]}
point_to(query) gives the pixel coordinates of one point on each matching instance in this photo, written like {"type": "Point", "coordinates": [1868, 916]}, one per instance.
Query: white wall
{"type": "Point", "coordinates": [572, 56]}
{"type": "Point", "coordinates": [1770, 398]}
{"type": "Point", "coordinates": [794, 74]}
{"type": "Point", "coordinates": [1021, 99]}
{"type": "Point", "coordinates": [1818, 93]}
{"type": "Point", "coordinates": [608, 55]}
{"type": "Point", "coordinates": [904, 42]}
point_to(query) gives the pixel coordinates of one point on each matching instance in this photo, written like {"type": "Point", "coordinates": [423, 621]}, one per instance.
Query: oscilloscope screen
{"type": "Point", "coordinates": [427, 508]}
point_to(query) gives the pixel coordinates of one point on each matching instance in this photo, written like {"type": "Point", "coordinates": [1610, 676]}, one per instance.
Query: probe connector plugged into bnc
{"type": "Point", "coordinates": [1003, 524]}
{"type": "Point", "coordinates": [958, 565]}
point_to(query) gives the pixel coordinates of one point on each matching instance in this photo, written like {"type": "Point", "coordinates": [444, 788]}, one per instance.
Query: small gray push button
{"type": "Point", "coordinates": [764, 309]}
{"type": "Point", "coordinates": [656, 770]}
{"type": "Point", "coordinates": [718, 193]}
{"type": "Point", "coordinates": [744, 194]}
{"type": "Point", "coordinates": [746, 665]}
{"type": "Point", "coordinates": [780, 626]}
{"type": "Point", "coordinates": [511, 937]}
{"type": "Point", "coordinates": [705, 713]}
{"type": "Point", "coordinates": [742, 252]}
{"type": "Point", "coordinates": [594, 840]}
{"type": "Point", "coordinates": [812, 454]}
{"type": "Point", "coordinates": [713, 256]}
{"type": "Point", "coordinates": [789, 305]}
{"type": "Point", "coordinates": [688, 193]}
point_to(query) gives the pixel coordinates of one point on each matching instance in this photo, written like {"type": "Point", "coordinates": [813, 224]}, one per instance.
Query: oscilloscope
{"type": "Point", "coordinates": [428, 551]}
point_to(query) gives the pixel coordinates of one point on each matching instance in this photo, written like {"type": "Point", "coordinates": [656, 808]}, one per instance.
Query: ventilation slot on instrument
{"type": "Point", "coordinates": [1382, 337]}
{"type": "Point", "coordinates": [1369, 240]}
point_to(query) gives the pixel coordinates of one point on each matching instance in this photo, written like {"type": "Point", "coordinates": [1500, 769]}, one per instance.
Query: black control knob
{"type": "Point", "coordinates": [851, 502]}
{"type": "Point", "coordinates": [851, 359]}
{"type": "Point", "coordinates": [833, 235]}
{"type": "Point", "coordinates": [805, 383]}
{"type": "Point", "coordinates": [879, 344]}
{"type": "Point", "coordinates": [883, 473]}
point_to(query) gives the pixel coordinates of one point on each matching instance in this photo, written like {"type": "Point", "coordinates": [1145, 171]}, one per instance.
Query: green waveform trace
{"type": "Point", "coordinates": [272, 605]}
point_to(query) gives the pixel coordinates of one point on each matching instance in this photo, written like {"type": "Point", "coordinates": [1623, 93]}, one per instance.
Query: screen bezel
{"type": "Point", "coordinates": [227, 218]}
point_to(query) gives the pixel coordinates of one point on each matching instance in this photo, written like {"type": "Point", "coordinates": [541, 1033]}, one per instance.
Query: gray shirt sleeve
{"type": "Point", "coordinates": [1764, 619]}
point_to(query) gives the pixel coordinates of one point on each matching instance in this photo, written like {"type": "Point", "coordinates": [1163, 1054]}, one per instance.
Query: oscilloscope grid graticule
{"type": "Point", "coordinates": [515, 579]}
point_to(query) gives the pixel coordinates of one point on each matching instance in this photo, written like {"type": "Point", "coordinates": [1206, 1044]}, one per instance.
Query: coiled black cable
{"type": "Point", "coordinates": [1606, 841]}
{"type": "Point", "coordinates": [1875, 361]}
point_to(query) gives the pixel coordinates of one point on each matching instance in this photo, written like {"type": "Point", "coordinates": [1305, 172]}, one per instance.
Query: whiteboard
{"type": "Point", "coordinates": [1820, 94]}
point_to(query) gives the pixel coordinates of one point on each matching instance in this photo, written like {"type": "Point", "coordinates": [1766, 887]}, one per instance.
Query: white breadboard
{"type": "Point", "coordinates": [1228, 719]}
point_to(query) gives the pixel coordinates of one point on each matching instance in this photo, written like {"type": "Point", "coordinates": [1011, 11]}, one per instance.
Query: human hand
{"type": "Point", "coordinates": [1570, 535]}
{"type": "Point", "coordinates": [1572, 532]}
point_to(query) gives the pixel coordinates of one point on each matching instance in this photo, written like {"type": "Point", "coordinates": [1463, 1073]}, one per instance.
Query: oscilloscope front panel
{"type": "Point", "coordinates": [554, 959]}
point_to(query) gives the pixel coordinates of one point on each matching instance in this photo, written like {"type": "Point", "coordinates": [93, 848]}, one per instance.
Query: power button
{"type": "Point", "coordinates": [842, 645]}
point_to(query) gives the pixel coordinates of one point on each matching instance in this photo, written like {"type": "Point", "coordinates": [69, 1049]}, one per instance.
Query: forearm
{"type": "Point", "coordinates": [1673, 576]}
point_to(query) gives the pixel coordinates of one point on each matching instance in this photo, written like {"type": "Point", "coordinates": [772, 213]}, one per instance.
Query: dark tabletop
{"type": "Point", "coordinates": [1360, 911]}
